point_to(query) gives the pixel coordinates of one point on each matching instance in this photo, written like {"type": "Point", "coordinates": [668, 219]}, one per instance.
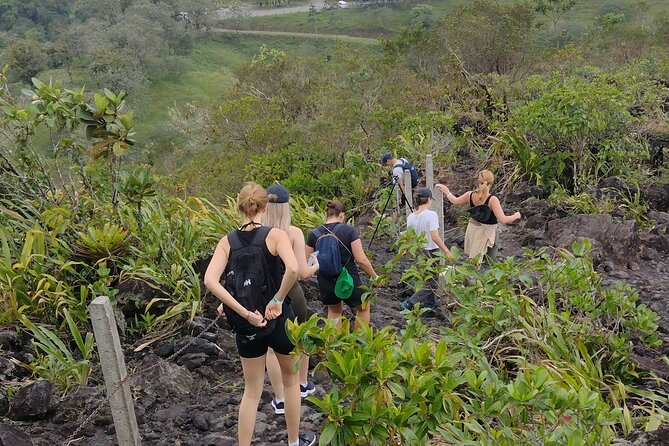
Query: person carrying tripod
{"type": "Point", "coordinates": [397, 173]}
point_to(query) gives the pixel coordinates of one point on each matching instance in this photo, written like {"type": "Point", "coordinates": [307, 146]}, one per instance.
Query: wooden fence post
{"type": "Point", "coordinates": [408, 193]}
{"type": "Point", "coordinates": [114, 372]}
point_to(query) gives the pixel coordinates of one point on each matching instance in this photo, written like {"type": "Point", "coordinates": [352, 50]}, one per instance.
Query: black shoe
{"type": "Point", "coordinates": [307, 439]}
{"type": "Point", "coordinates": [307, 390]}
{"type": "Point", "coordinates": [279, 407]}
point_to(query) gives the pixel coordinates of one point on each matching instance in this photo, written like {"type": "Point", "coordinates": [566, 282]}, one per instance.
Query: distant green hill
{"type": "Point", "coordinates": [373, 21]}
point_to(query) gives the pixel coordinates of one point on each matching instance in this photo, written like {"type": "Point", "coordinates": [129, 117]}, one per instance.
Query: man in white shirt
{"type": "Point", "coordinates": [424, 221]}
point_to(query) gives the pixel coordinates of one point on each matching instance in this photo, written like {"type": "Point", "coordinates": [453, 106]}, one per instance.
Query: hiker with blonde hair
{"type": "Point", "coordinates": [278, 216]}
{"type": "Point", "coordinates": [251, 258]}
{"type": "Point", "coordinates": [486, 211]}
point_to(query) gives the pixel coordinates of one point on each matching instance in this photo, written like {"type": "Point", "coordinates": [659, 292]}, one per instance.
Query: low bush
{"type": "Point", "coordinates": [537, 352]}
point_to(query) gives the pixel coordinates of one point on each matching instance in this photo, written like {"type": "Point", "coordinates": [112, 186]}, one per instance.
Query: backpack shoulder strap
{"type": "Point", "coordinates": [487, 200]}
{"type": "Point", "coordinates": [336, 228]}
{"type": "Point", "coordinates": [471, 201]}
{"type": "Point", "coordinates": [318, 233]}
{"type": "Point", "coordinates": [235, 242]}
{"type": "Point", "coordinates": [260, 236]}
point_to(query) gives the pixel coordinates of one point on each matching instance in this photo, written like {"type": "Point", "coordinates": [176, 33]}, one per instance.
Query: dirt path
{"type": "Point", "coordinates": [341, 37]}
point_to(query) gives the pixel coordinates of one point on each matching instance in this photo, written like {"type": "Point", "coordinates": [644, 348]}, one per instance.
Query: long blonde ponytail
{"type": "Point", "coordinates": [484, 181]}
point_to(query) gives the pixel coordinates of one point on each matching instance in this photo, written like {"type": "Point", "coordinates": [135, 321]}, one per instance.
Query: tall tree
{"type": "Point", "coordinates": [26, 58]}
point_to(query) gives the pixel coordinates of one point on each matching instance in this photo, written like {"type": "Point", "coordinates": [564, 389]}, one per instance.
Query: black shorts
{"type": "Point", "coordinates": [326, 286]}
{"type": "Point", "coordinates": [277, 339]}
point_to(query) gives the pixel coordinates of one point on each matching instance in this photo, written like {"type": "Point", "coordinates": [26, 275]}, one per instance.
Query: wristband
{"type": "Point", "coordinates": [274, 299]}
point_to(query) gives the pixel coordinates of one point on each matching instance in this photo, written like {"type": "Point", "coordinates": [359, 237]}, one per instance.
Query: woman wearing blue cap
{"type": "Point", "coordinates": [424, 221]}
{"type": "Point", "coordinates": [278, 216]}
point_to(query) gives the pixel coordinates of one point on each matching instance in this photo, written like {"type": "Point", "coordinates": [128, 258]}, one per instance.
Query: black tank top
{"type": "Point", "coordinates": [274, 262]}
{"type": "Point", "coordinates": [492, 220]}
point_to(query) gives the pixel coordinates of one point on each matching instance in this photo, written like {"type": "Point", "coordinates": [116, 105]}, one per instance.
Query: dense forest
{"type": "Point", "coordinates": [127, 126]}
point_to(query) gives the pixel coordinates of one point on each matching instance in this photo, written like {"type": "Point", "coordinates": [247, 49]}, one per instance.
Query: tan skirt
{"type": "Point", "coordinates": [478, 238]}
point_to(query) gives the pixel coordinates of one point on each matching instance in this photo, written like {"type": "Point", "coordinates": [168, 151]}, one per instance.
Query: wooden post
{"type": "Point", "coordinates": [438, 197]}
{"type": "Point", "coordinates": [114, 372]}
{"type": "Point", "coordinates": [408, 193]}
{"type": "Point", "coordinates": [429, 173]}
{"type": "Point", "coordinates": [437, 205]}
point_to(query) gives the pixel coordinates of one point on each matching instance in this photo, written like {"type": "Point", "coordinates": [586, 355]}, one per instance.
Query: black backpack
{"type": "Point", "coordinates": [481, 213]}
{"type": "Point", "coordinates": [406, 165]}
{"type": "Point", "coordinates": [248, 279]}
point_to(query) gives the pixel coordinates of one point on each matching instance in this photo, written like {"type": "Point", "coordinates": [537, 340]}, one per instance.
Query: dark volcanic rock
{"type": "Point", "coordinates": [164, 350]}
{"type": "Point", "coordinates": [198, 345]}
{"type": "Point", "coordinates": [199, 325]}
{"type": "Point", "coordinates": [164, 378]}
{"type": "Point", "coordinates": [4, 402]}
{"type": "Point", "coordinates": [193, 360]}
{"type": "Point", "coordinates": [10, 436]}
{"type": "Point", "coordinates": [217, 439]}
{"type": "Point", "coordinates": [524, 194]}
{"type": "Point", "coordinates": [615, 242]}
{"type": "Point", "coordinates": [657, 197]}
{"type": "Point", "coordinates": [615, 183]}
{"type": "Point", "coordinates": [78, 404]}
{"type": "Point", "coordinates": [32, 402]}
{"type": "Point", "coordinates": [7, 368]}
{"type": "Point", "coordinates": [9, 340]}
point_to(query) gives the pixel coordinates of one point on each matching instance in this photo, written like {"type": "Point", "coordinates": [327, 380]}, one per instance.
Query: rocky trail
{"type": "Point", "coordinates": [192, 399]}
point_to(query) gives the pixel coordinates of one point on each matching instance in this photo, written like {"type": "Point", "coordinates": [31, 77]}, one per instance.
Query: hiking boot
{"type": "Point", "coordinates": [405, 305]}
{"type": "Point", "coordinates": [278, 406]}
{"type": "Point", "coordinates": [307, 439]}
{"type": "Point", "coordinates": [307, 390]}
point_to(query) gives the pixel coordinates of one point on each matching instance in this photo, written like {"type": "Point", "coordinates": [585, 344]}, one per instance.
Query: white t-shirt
{"type": "Point", "coordinates": [423, 223]}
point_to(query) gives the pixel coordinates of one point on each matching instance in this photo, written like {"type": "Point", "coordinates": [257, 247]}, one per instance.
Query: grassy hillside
{"type": "Point", "coordinates": [209, 72]}
{"type": "Point", "coordinates": [385, 20]}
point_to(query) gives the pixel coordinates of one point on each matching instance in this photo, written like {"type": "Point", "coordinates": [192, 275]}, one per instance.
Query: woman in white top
{"type": "Point", "coordinates": [425, 221]}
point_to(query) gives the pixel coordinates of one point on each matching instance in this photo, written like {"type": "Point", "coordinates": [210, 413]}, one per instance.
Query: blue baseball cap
{"type": "Point", "coordinates": [278, 193]}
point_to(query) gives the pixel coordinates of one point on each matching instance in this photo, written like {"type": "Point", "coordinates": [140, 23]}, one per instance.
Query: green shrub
{"type": "Point", "coordinates": [537, 353]}
{"type": "Point", "coordinates": [577, 129]}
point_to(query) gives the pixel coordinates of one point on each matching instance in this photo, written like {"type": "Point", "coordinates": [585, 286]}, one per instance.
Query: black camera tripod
{"type": "Point", "coordinates": [394, 181]}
